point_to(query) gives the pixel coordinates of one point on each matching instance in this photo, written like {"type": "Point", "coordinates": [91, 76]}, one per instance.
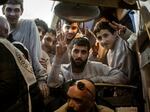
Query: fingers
{"type": "Point", "coordinates": [59, 36]}
{"type": "Point", "coordinates": [61, 45]}
{"type": "Point", "coordinates": [44, 89]}
{"type": "Point", "coordinates": [114, 25]}
{"type": "Point", "coordinates": [118, 27]}
{"type": "Point", "coordinates": [97, 45]}
{"type": "Point", "coordinates": [61, 40]}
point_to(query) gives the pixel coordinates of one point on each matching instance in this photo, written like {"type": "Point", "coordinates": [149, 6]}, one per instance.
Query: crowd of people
{"type": "Point", "coordinates": [36, 59]}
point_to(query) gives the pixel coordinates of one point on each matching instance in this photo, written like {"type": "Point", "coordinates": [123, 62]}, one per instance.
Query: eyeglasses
{"type": "Point", "coordinates": [81, 86]}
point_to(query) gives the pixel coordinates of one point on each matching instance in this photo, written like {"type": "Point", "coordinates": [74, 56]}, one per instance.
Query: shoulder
{"type": "Point", "coordinates": [63, 108]}
{"type": "Point", "coordinates": [102, 108]}
{"type": "Point", "coordinates": [22, 48]}
{"type": "Point", "coordinates": [4, 49]}
{"type": "Point", "coordinates": [27, 22]}
{"type": "Point", "coordinates": [94, 64]}
{"type": "Point", "coordinates": [121, 46]}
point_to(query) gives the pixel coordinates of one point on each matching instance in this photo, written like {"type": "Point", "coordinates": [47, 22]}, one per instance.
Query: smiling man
{"type": "Point", "coordinates": [69, 30]}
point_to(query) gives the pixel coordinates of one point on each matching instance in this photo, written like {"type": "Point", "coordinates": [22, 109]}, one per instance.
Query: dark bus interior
{"type": "Point", "coordinates": [88, 12]}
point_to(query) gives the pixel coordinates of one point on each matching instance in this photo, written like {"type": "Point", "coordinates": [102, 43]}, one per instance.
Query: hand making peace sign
{"type": "Point", "coordinates": [61, 46]}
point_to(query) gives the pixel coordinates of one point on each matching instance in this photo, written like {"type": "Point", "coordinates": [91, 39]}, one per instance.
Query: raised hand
{"type": "Point", "coordinates": [61, 46]}
{"type": "Point", "coordinates": [119, 27]}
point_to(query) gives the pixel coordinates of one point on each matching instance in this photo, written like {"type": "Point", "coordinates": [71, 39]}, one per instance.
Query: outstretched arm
{"type": "Point", "coordinates": [125, 34]}
{"type": "Point", "coordinates": [55, 78]}
{"type": "Point", "coordinates": [108, 74]}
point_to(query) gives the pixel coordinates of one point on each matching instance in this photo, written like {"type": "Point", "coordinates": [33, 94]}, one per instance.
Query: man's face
{"type": "Point", "coordinates": [49, 41]}
{"type": "Point", "coordinates": [70, 30]}
{"type": "Point", "coordinates": [79, 55]}
{"type": "Point", "coordinates": [106, 38]}
{"type": "Point", "coordinates": [12, 13]}
{"type": "Point", "coordinates": [42, 32]}
{"type": "Point", "coordinates": [78, 100]}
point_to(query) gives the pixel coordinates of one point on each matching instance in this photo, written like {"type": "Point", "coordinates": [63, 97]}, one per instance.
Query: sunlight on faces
{"type": "Point", "coordinates": [106, 38]}
{"type": "Point", "coordinates": [12, 13]}
{"type": "Point", "coordinates": [70, 30]}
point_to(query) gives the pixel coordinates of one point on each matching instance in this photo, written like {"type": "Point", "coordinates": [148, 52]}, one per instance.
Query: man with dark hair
{"type": "Point", "coordinates": [81, 98]}
{"type": "Point", "coordinates": [120, 54]}
{"type": "Point", "coordinates": [3, 2]}
{"type": "Point", "coordinates": [49, 43]}
{"type": "Point", "coordinates": [69, 30]}
{"type": "Point", "coordinates": [42, 27]}
{"type": "Point", "coordinates": [25, 31]}
{"type": "Point", "coordinates": [80, 67]}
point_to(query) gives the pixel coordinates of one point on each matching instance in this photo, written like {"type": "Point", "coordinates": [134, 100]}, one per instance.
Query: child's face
{"type": "Point", "coordinates": [106, 38]}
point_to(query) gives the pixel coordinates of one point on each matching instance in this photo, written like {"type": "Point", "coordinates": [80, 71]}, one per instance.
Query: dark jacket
{"type": "Point", "coordinates": [13, 89]}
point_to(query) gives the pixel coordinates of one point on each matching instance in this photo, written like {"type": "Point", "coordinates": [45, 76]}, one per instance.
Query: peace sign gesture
{"type": "Point", "coordinates": [61, 46]}
{"type": "Point", "coordinates": [118, 27]}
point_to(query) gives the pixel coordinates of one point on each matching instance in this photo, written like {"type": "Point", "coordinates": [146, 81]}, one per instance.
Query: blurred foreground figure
{"type": "Point", "coordinates": [18, 88]}
{"type": "Point", "coordinates": [81, 98]}
{"type": "Point", "coordinates": [26, 32]}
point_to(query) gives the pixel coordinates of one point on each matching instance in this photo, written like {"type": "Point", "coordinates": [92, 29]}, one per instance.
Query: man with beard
{"type": "Point", "coordinates": [81, 98]}
{"type": "Point", "coordinates": [69, 30]}
{"type": "Point", "coordinates": [80, 67]}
